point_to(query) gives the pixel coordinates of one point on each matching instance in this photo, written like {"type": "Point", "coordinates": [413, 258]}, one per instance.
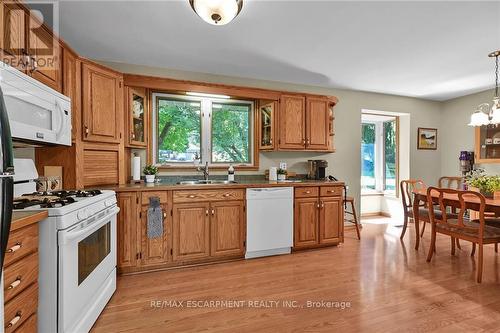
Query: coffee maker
{"type": "Point", "coordinates": [317, 169]}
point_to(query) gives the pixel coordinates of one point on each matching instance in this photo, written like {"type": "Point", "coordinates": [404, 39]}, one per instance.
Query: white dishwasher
{"type": "Point", "coordinates": [269, 221]}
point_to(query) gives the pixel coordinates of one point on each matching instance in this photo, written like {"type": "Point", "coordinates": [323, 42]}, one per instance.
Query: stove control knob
{"type": "Point", "coordinates": [82, 215]}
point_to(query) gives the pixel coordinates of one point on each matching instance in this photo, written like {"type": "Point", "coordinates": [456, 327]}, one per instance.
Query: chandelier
{"type": "Point", "coordinates": [484, 114]}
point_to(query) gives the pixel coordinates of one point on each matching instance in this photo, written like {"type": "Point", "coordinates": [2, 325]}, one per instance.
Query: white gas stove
{"type": "Point", "coordinates": [77, 252]}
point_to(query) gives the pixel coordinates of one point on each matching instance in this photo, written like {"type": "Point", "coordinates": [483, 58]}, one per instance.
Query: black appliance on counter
{"type": "Point", "coordinates": [317, 169]}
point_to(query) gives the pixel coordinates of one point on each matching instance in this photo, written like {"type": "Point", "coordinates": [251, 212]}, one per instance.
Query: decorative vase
{"type": "Point", "coordinates": [150, 178]}
{"type": "Point", "coordinates": [281, 177]}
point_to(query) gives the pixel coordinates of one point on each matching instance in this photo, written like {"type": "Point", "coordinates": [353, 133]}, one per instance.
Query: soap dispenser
{"type": "Point", "coordinates": [230, 173]}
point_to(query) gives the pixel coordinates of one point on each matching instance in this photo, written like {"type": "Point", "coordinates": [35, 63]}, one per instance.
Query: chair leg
{"type": "Point", "coordinates": [458, 244]}
{"type": "Point", "coordinates": [356, 223]}
{"type": "Point", "coordinates": [473, 250]}
{"type": "Point", "coordinates": [432, 246]}
{"type": "Point", "coordinates": [496, 247]}
{"type": "Point", "coordinates": [405, 224]}
{"type": "Point", "coordinates": [453, 246]}
{"type": "Point", "coordinates": [423, 230]}
{"type": "Point", "coordinates": [480, 263]}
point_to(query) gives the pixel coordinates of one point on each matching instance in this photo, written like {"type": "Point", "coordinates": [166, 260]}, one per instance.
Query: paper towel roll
{"type": "Point", "coordinates": [273, 174]}
{"type": "Point", "coordinates": [136, 168]}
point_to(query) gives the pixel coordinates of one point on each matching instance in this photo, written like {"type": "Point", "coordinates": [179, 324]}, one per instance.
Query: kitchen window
{"type": "Point", "coordinates": [209, 129]}
{"type": "Point", "coordinates": [379, 154]}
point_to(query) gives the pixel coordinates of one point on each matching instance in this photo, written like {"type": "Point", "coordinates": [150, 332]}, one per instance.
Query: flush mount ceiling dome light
{"type": "Point", "coordinates": [484, 114]}
{"type": "Point", "coordinates": [217, 12]}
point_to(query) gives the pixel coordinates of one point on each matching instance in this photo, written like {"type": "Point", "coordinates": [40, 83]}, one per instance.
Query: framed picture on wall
{"type": "Point", "coordinates": [427, 138]}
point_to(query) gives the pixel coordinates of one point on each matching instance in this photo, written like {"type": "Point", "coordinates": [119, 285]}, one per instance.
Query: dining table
{"type": "Point", "coordinates": [492, 205]}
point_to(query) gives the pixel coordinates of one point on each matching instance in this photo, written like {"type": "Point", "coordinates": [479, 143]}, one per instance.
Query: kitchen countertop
{"type": "Point", "coordinates": [166, 185]}
{"type": "Point", "coordinates": [22, 219]}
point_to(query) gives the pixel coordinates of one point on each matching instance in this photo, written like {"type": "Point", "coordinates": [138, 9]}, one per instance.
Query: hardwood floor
{"type": "Point", "coordinates": [390, 287]}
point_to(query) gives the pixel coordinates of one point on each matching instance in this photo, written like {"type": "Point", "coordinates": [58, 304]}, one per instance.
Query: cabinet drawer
{"type": "Point", "coordinates": [21, 243]}
{"type": "Point", "coordinates": [160, 194]}
{"type": "Point", "coordinates": [330, 191]}
{"type": "Point", "coordinates": [29, 326]}
{"type": "Point", "coordinates": [20, 275]}
{"type": "Point", "coordinates": [306, 192]}
{"type": "Point", "coordinates": [20, 308]}
{"type": "Point", "coordinates": [208, 195]}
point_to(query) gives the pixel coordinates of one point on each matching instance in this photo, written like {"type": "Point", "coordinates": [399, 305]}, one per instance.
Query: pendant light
{"type": "Point", "coordinates": [217, 12]}
{"type": "Point", "coordinates": [484, 115]}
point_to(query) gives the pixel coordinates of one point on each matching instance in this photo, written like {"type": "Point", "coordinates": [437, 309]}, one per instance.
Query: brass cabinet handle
{"type": "Point", "coordinates": [227, 195]}
{"type": "Point", "coordinates": [15, 320]}
{"type": "Point", "coordinates": [213, 212]}
{"type": "Point", "coordinates": [317, 205]}
{"type": "Point", "coordinates": [15, 283]}
{"type": "Point", "coordinates": [164, 215]}
{"type": "Point", "coordinates": [86, 130]}
{"type": "Point", "coordinates": [322, 204]}
{"type": "Point", "coordinates": [303, 141]}
{"type": "Point", "coordinates": [15, 248]}
{"type": "Point", "coordinates": [307, 141]}
{"type": "Point", "coordinates": [270, 141]}
{"type": "Point", "coordinates": [206, 212]}
{"type": "Point", "coordinates": [308, 192]}
{"type": "Point", "coordinates": [133, 136]}
{"type": "Point", "coordinates": [191, 196]}
{"type": "Point", "coordinates": [330, 191]}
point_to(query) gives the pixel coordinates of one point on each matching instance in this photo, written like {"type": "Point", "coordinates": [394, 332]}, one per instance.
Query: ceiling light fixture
{"type": "Point", "coordinates": [217, 12]}
{"type": "Point", "coordinates": [198, 94]}
{"type": "Point", "coordinates": [484, 115]}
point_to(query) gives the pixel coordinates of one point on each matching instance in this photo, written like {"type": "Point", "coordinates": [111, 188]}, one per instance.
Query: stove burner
{"type": "Point", "coordinates": [21, 203]}
{"type": "Point", "coordinates": [78, 193]}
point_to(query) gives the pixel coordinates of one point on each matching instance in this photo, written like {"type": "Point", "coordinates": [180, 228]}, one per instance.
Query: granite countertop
{"type": "Point", "coordinates": [22, 219]}
{"type": "Point", "coordinates": [172, 184]}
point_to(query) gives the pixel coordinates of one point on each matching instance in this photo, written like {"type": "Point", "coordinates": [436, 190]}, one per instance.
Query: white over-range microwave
{"type": "Point", "coordinates": [37, 113]}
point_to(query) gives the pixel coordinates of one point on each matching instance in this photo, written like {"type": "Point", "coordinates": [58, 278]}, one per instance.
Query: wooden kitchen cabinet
{"type": "Point", "coordinates": [13, 35]}
{"type": "Point", "coordinates": [191, 231]}
{"type": "Point", "coordinates": [44, 51]}
{"type": "Point", "coordinates": [137, 117]}
{"type": "Point", "coordinates": [292, 120]}
{"type": "Point", "coordinates": [318, 216]}
{"type": "Point", "coordinates": [71, 88]}
{"type": "Point", "coordinates": [127, 229]}
{"type": "Point", "coordinates": [306, 222]}
{"type": "Point", "coordinates": [267, 118]}
{"type": "Point", "coordinates": [102, 101]}
{"type": "Point", "coordinates": [330, 220]}
{"type": "Point", "coordinates": [317, 123]}
{"type": "Point", "coordinates": [227, 228]}
{"type": "Point", "coordinates": [305, 123]}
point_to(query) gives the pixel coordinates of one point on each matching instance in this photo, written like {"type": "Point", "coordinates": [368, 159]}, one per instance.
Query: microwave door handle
{"type": "Point", "coordinates": [67, 236]}
{"type": "Point", "coordinates": [62, 121]}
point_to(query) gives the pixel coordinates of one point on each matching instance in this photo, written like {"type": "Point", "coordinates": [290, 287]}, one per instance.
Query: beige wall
{"type": "Point", "coordinates": [345, 162]}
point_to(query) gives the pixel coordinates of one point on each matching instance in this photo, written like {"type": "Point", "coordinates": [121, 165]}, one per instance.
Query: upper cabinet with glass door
{"type": "Point", "coordinates": [137, 117]}
{"type": "Point", "coordinates": [487, 144]}
{"type": "Point", "coordinates": [266, 124]}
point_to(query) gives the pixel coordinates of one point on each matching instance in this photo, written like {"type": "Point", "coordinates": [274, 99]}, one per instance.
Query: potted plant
{"type": "Point", "coordinates": [489, 186]}
{"type": "Point", "coordinates": [150, 171]}
{"type": "Point", "coordinates": [281, 174]}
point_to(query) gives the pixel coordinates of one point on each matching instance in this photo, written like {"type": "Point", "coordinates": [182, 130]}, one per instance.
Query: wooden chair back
{"type": "Point", "coordinates": [452, 182]}
{"type": "Point", "coordinates": [444, 200]}
{"type": "Point", "coordinates": [407, 186]}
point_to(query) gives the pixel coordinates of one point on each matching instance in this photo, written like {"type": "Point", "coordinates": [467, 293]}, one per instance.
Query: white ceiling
{"type": "Point", "coordinates": [433, 50]}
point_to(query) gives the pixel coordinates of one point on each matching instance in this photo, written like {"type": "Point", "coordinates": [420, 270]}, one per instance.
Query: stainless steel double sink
{"type": "Point", "coordinates": [205, 182]}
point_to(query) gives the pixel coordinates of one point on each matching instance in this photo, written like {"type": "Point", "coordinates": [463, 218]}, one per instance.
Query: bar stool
{"type": "Point", "coordinates": [350, 200]}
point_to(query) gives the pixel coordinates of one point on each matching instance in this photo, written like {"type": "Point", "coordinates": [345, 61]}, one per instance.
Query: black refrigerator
{"type": "Point", "coordinates": [6, 183]}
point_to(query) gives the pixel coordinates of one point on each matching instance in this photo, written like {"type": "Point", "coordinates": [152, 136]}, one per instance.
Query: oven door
{"type": "Point", "coordinates": [87, 257]}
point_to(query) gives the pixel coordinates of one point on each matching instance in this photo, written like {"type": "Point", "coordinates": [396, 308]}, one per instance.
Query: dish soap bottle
{"type": "Point", "coordinates": [230, 173]}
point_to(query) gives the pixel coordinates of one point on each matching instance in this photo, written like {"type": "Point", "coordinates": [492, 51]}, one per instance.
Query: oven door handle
{"type": "Point", "coordinates": [68, 236]}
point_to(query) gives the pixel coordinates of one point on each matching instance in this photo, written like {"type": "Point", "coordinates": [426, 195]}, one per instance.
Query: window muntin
{"type": "Point", "coordinates": [217, 131]}
{"type": "Point", "coordinates": [368, 158]}
{"type": "Point", "coordinates": [390, 156]}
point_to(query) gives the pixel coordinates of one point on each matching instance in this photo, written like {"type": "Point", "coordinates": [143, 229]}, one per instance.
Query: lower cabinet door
{"type": "Point", "coordinates": [191, 231]}
{"type": "Point", "coordinates": [127, 229]}
{"type": "Point", "coordinates": [306, 222]}
{"type": "Point", "coordinates": [330, 220]}
{"type": "Point", "coordinates": [227, 228]}
{"type": "Point", "coordinates": [154, 251]}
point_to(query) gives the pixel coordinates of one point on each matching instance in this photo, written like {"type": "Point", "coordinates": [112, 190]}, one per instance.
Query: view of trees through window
{"type": "Point", "coordinates": [379, 155]}
{"type": "Point", "coordinates": [185, 126]}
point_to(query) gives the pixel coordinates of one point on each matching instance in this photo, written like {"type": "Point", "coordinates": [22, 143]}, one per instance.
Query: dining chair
{"type": "Point", "coordinates": [407, 187]}
{"type": "Point", "coordinates": [460, 227]}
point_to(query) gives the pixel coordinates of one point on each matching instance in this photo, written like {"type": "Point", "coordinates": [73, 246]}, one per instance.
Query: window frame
{"type": "Point", "coordinates": [205, 131]}
{"type": "Point", "coordinates": [379, 161]}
